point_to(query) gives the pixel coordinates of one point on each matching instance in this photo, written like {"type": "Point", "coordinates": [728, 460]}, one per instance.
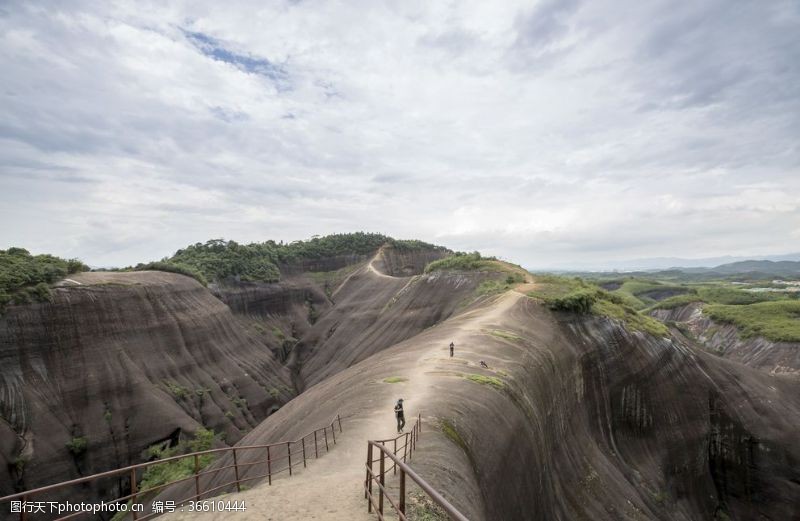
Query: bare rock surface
{"type": "Point", "coordinates": [124, 360]}
{"type": "Point", "coordinates": [574, 418]}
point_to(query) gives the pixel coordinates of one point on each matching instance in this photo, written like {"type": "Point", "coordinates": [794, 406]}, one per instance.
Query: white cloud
{"type": "Point", "coordinates": [551, 134]}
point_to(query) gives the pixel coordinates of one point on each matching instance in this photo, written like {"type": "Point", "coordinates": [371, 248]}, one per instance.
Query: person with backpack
{"type": "Point", "coordinates": [398, 412]}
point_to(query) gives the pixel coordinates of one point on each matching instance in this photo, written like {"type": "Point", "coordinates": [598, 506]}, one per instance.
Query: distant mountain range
{"type": "Point", "coordinates": [780, 268]}
{"type": "Point", "coordinates": [723, 264]}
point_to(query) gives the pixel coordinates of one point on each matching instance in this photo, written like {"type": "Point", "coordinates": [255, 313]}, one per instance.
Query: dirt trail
{"type": "Point", "coordinates": [331, 487]}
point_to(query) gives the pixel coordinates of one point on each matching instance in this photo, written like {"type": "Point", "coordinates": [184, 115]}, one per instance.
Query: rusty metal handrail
{"type": "Point", "coordinates": [379, 478]}
{"type": "Point", "coordinates": [132, 470]}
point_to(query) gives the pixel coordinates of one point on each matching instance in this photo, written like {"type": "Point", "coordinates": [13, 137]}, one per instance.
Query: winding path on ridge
{"type": "Point", "coordinates": [331, 488]}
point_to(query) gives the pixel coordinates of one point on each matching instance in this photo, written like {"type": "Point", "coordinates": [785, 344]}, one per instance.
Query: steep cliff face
{"type": "Point", "coordinates": [375, 310]}
{"type": "Point", "coordinates": [278, 313]}
{"type": "Point", "coordinates": [724, 340]}
{"type": "Point", "coordinates": [575, 417]}
{"type": "Point", "coordinates": [122, 361]}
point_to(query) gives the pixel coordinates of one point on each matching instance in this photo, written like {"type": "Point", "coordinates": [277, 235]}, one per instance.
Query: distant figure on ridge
{"type": "Point", "coordinates": [401, 419]}
{"type": "Point", "coordinates": [452, 347]}
{"type": "Point", "coordinates": [483, 364]}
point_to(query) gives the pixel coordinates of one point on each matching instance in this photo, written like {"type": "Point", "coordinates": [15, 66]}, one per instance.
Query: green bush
{"type": "Point", "coordinates": [579, 301]}
{"type": "Point", "coordinates": [20, 271]}
{"type": "Point", "coordinates": [460, 261]}
{"type": "Point", "coordinates": [77, 445]}
{"type": "Point", "coordinates": [42, 292]}
{"type": "Point", "coordinates": [170, 471]}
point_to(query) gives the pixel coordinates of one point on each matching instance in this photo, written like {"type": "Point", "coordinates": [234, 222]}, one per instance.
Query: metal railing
{"type": "Point", "coordinates": [276, 457]}
{"type": "Point", "coordinates": [389, 449]}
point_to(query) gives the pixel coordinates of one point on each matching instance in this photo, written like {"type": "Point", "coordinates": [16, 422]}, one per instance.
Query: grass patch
{"type": "Point", "coordinates": [632, 318]}
{"type": "Point", "coordinates": [508, 335]}
{"type": "Point", "coordinates": [777, 321]}
{"type": "Point", "coordinates": [578, 296]}
{"type": "Point", "coordinates": [491, 381]}
{"type": "Point", "coordinates": [423, 508]}
{"type": "Point", "coordinates": [449, 430]}
{"type": "Point", "coordinates": [460, 261]}
{"type": "Point", "coordinates": [492, 287]}
{"type": "Point", "coordinates": [160, 474]}
{"type": "Point", "coordinates": [394, 380]}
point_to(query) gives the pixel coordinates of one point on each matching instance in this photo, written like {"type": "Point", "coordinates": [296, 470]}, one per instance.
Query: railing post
{"type": "Point", "coordinates": [134, 491]}
{"type": "Point", "coordinates": [289, 448]}
{"type": "Point", "coordinates": [405, 448]}
{"type": "Point", "coordinates": [304, 451]}
{"type": "Point", "coordinates": [269, 466]}
{"type": "Point", "coordinates": [333, 433]}
{"type": "Point", "coordinates": [382, 482]}
{"type": "Point", "coordinates": [402, 492]}
{"type": "Point", "coordinates": [325, 432]}
{"type": "Point", "coordinates": [236, 471]}
{"type": "Point", "coordinates": [368, 480]}
{"type": "Point", "coordinates": [394, 465]}
{"type": "Point", "coordinates": [339, 418]}
{"type": "Point", "coordinates": [316, 452]}
{"type": "Point", "coordinates": [196, 478]}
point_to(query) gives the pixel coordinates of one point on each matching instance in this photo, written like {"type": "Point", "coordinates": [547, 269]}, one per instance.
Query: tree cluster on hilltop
{"type": "Point", "coordinates": [24, 276]}
{"type": "Point", "coordinates": [219, 259]}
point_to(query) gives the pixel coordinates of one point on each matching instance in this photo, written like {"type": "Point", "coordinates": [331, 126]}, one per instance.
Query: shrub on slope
{"type": "Point", "coordinates": [21, 271]}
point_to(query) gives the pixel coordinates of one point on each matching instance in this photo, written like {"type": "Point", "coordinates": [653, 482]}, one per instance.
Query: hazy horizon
{"type": "Point", "coordinates": [569, 133]}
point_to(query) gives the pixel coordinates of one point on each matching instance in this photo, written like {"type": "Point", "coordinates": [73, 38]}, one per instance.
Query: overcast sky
{"type": "Point", "coordinates": [551, 133]}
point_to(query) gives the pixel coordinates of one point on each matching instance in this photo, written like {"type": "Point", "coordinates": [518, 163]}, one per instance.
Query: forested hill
{"type": "Point", "coordinates": [260, 262]}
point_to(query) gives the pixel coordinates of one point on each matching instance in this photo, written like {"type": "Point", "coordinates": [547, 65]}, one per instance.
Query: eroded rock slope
{"type": "Point", "coordinates": [122, 361]}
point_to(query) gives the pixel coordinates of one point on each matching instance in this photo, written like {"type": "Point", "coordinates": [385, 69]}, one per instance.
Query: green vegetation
{"type": "Point", "coordinates": [23, 275]}
{"type": "Point", "coordinates": [579, 301]}
{"type": "Point", "coordinates": [19, 463]}
{"type": "Point", "coordinates": [163, 473]}
{"type": "Point", "coordinates": [462, 262]}
{"type": "Point", "coordinates": [239, 402]}
{"type": "Point", "coordinates": [77, 445]}
{"type": "Point", "coordinates": [776, 321]}
{"type": "Point", "coordinates": [423, 508]}
{"type": "Point", "coordinates": [579, 296]}
{"type": "Point", "coordinates": [449, 430]}
{"type": "Point", "coordinates": [221, 260]}
{"type": "Point", "coordinates": [173, 267]}
{"type": "Point", "coordinates": [756, 307]}
{"type": "Point", "coordinates": [394, 380]}
{"type": "Point", "coordinates": [491, 381]}
{"type": "Point", "coordinates": [633, 319]}
{"type": "Point", "coordinates": [178, 391]}
{"type": "Point", "coordinates": [508, 335]}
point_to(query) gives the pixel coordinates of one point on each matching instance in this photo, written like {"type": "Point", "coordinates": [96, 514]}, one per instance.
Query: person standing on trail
{"type": "Point", "coordinates": [401, 419]}
{"type": "Point", "coordinates": [452, 347]}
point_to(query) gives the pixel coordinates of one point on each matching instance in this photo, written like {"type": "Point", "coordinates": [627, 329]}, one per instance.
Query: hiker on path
{"type": "Point", "coordinates": [452, 347]}
{"type": "Point", "coordinates": [401, 419]}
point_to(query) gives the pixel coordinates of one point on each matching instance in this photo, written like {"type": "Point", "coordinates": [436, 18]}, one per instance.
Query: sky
{"type": "Point", "coordinates": [555, 134]}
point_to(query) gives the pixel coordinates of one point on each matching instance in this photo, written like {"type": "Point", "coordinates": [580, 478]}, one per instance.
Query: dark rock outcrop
{"type": "Point", "coordinates": [122, 361]}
